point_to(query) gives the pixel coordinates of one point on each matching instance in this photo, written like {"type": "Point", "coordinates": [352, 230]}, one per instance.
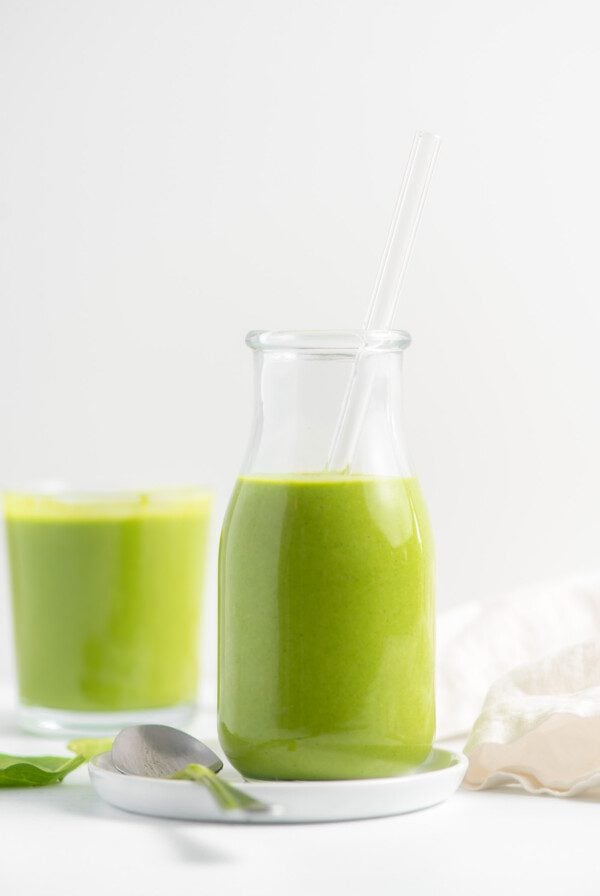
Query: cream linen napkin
{"type": "Point", "coordinates": [540, 722]}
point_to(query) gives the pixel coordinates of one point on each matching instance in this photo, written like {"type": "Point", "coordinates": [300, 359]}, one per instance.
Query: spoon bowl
{"type": "Point", "coordinates": [159, 751]}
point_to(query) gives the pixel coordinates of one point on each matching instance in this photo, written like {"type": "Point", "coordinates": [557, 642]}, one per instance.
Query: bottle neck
{"type": "Point", "coordinates": [299, 397]}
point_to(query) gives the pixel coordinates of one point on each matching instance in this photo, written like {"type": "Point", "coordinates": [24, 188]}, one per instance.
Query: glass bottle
{"type": "Point", "coordinates": [326, 591]}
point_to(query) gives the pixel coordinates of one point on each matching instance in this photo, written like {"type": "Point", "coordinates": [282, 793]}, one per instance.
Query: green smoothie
{"type": "Point", "coordinates": [106, 599]}
{"type": "Point", "coordinates": [326, 627]}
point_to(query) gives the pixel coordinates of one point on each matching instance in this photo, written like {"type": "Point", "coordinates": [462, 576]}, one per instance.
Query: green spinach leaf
{"type": "Point", "coordinates": [88, 747]}
{"type": "Point", "coordinates": [35, 771]}
{"type": "Point", "coordinates": [38, 771]}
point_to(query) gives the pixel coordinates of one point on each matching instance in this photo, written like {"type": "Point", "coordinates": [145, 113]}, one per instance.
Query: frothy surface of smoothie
{"type": "Point", "coordinates": [326, 627]}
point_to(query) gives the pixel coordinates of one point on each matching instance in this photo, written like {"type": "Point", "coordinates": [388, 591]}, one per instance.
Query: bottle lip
{"type": "Point", "coordinates": [328, 342]}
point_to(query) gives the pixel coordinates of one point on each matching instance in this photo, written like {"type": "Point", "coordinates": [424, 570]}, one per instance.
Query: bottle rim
{"type": "Point", "coordinates": [328, 342]}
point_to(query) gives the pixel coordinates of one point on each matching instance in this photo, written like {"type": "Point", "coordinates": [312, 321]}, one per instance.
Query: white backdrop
{"type": "Point", "coordinates": [175, 173]}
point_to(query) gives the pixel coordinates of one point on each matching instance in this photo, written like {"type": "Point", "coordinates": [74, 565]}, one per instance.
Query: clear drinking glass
{"type": "Point", "coordinates": [326, 591]}
{"type": "Point", "coordinates": [106, 593]}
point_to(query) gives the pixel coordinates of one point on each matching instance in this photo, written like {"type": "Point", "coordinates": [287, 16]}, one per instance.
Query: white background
{"type": "Point", "coordinates": [175, 173]}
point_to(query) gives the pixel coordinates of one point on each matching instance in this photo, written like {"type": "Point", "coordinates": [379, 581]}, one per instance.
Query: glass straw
{"type": "Point", "coordinates": [386, 292]}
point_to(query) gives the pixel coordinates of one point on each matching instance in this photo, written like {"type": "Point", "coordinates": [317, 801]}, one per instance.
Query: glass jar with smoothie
{"type": "Point", "coordinates": [326, 579]}
{"type": "Point", "coordinates": [106, 593]}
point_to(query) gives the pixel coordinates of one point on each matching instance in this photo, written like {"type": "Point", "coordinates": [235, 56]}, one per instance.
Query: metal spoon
{"type": "Point", "coordinates": [158, 751]}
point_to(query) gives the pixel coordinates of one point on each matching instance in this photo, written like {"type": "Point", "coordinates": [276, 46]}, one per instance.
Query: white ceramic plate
{"type": "Point", "coordinates": [298, 801]}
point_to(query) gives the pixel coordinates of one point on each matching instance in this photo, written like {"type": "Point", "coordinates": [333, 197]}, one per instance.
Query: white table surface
{"type": "Point", "coordinates": [63, 840]}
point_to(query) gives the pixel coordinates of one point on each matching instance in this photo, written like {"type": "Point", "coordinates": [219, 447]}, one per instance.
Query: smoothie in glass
{"type": "Point", "coordinates": [326, 627]}
{"type": "Point", "coordinates": [106, 598]}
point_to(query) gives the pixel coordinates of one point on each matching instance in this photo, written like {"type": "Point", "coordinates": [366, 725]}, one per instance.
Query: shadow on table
{"type": "Point", "coordinates": [80, 800]}
{"type": "Point", "coordinates": [589, 796]}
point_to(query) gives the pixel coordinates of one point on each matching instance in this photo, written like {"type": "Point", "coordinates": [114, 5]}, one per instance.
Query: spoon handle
{"type": "Point", "coordinates": [227, 796]}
